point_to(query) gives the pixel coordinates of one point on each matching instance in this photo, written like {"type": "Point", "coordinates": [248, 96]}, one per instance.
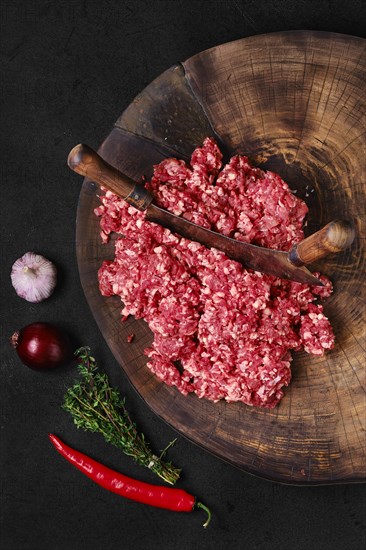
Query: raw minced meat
{"type": "Point", "coordinates": [220, 331]}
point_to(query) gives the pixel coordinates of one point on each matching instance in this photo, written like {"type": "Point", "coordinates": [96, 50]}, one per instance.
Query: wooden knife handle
{"type": "Point", "coordinates": [334, 237]}
{"type": "Point", "coordinates": [86, 162]}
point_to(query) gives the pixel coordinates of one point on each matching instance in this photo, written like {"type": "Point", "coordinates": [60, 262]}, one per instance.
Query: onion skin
{"type": "Point", "coordinates": [42, 346]}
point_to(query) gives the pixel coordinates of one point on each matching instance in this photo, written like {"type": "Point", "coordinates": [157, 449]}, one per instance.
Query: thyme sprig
{"type": "Point", "coordinates": [95, 406]}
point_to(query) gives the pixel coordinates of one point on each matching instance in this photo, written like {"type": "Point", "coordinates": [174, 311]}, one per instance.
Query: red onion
{"type": "Point", "coordinates": [42, 346]}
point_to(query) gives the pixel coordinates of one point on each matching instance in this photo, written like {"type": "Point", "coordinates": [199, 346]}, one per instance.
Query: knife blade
{"type": "Point", "coordinates": [334, 237]}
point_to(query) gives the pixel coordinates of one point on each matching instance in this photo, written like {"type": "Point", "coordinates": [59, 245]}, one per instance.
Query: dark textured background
{"type": "Point", "coordinates": [68, 71]}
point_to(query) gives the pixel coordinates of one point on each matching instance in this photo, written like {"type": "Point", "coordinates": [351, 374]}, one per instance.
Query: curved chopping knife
{"type": "Point", "coordinates": [334, 237]}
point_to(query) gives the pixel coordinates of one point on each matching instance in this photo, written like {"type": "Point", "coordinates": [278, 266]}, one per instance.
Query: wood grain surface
{"type": "Point", "coordinates": [295, 103]}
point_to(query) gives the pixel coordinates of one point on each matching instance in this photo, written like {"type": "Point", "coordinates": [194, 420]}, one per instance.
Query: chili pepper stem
{"type": "Point", "coordinates": [207, 510]}
{"type": "Point", "coordinates": [176, 500]}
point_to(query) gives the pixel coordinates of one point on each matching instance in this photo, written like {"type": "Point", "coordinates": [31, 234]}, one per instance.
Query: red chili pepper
{"type": "Point", "coordinates": [177, 500]}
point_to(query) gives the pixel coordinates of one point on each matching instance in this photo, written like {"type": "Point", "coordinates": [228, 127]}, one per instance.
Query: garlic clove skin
{"type": "Point", "coordinates": [33, 277]}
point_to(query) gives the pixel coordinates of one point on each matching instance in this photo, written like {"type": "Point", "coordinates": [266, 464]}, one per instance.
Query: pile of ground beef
{"type": "Point", "coordinates": [220, 331]}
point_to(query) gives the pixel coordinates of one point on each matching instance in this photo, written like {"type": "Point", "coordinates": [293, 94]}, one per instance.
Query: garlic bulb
{"type": "Point", "coordinates": [33, 277]}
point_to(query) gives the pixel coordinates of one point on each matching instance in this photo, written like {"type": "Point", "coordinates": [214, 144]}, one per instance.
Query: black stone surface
{"type": "Point", "coordinates": [68, 70]}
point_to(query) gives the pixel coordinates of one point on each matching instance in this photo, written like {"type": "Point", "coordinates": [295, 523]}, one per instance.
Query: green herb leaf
{"type": "Point", "coordinates": [95, 406]}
